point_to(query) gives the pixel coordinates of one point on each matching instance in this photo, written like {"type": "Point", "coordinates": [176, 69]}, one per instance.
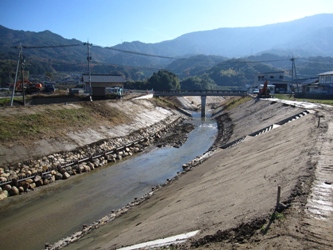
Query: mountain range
{"type": "Point", "coordinates": [307, 37]}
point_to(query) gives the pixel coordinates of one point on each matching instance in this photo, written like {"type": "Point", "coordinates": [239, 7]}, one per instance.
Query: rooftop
{"type": "Point", "coordinates": [326, 73]}
{"type": "Point", "coordinates": [103, 78]}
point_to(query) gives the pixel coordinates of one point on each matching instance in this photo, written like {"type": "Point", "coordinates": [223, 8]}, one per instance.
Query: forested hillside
{"type": "Point", "coordinates": [205, 59]}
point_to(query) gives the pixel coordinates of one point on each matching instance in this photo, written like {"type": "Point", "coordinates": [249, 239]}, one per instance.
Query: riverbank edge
{"type": "Point", "coordinates": [236, 235]}
{"type": "Point", "coordinates": [62, 165]}
{"type": "Point", "coordinates": [225, 127]}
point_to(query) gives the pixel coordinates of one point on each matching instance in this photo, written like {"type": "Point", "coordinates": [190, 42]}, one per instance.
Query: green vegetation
{"type": "Point", "coordinates": [237, 72]}
{"type": "Point", "coordinates": [202, 82]}
{"type": "Point", "coordinates": [31, 125]}
{"type": "Point", "coordinates": [165, 102]}
{"type": "Point", "coordinates": [291, 98]}
{"type": "Point", "coordinates": [162, 80]}
{"type": "Point", "coordinates": [6, 100]}
{"type": "Point", "coordinates": [276, 216]}
{"type": "Point", "coordinates": [236, 101]}
{"type": "Point", "coordinates": [45, 63]}
{"type": "Point", "coordinates": [194, 66]}
{"type": "Point", "coordinates": [51, 123]}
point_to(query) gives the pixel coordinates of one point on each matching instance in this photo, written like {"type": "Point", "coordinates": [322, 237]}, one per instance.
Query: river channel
{"type": "Point", "coordinates": [53, 212]}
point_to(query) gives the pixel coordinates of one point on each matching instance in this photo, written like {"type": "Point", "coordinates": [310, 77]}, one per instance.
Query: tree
{"type": "Point", "coordinates": [7, 72]}
{"type": "Point", "coordinates": [164, 80]}
{"type": "Point", "coordinates": [49, 75]}
{"type": "Point", "coordinates": [203, 82]}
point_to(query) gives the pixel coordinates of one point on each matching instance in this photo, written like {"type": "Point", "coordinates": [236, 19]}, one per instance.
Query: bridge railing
{"type": "Point", "coordinates": [200, 92]}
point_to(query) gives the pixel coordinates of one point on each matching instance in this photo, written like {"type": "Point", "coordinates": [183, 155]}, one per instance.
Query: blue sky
{"type": "Point", "coordinates": [110, 22]}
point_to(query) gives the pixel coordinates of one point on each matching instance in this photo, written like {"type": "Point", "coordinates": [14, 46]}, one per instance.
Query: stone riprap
{"type": "Point", "coordinates": [27, 175]}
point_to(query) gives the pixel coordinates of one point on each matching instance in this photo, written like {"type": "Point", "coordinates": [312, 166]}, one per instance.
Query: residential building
{"type": "Point", "coordinates": [326, 82]}
{"type": "Point", "coordinates": [277, 78]}
{"type": "Point", "coordinates": [99, 83]}
{"type": "Point", "coordinates": [310, 85]}
{"type": "Point", "coordinates": [318, 87]}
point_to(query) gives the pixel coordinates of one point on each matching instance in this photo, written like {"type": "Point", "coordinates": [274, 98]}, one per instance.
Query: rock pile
{"type": "Point", "coordinates": [26, 176]}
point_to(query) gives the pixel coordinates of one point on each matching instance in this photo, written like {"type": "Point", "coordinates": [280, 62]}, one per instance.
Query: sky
{"type": "Point", "coordinates": [111, 22]}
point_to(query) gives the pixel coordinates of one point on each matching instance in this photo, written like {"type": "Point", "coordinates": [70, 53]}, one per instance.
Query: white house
{"type": "Point", "coordinates": [99, 83]}
{"type": "Point", "coordinates": [277, 78]}
{"type": "Point", "coordinates": [326, 81]}
{"type": "Point", "coordinates": [326, 78]}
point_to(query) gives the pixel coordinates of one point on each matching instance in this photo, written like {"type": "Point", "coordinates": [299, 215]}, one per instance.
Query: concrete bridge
{"type": "Point", "coordinates": [203, 94]}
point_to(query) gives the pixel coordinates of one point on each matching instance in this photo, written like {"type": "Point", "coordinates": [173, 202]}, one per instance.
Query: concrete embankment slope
{"type": "Point", "coordinates": [233, 187]}
{"type": "Point", "coordinates": [138, 113]}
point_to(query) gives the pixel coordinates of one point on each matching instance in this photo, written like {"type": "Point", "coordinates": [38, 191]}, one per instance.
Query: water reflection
{"type": "Point", "coordinates": [83, 199]}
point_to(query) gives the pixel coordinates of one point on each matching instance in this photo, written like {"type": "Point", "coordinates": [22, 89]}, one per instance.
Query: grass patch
{"type": "Point", "coordinates": [236, 101]}
{"type": "Point", "coordinates": [165, 102]}
{"type": "Point", "coordinates": [54, 122]}
{"type": "Point", "coordinates": [31, 125]}
{"type": "Point", "coordinates": [5, 101]}
{"type": "Point", "coordinates": [278, 216]}
{"type": "Point", "coordinates": [291, 98]}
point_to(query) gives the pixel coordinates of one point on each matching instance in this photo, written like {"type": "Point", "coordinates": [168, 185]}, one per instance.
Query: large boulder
{"type": "Point", "coordinates": [25, 185]}
{"type": "Point", "coordinates": [32, 186]}
{"type": "Point", "coordinates": [38, 180]}
{"type": "Point", "coordinates": [58, 176]}
{"type": "Point", "coordinates": [7, 187]}
{"type": "Point", "coordinates": [3, 179]}
{"type": "Point", "coordinates": [87, 168]}
{"type": "Point", "coordinates": [3, 194]}
{"type": "Point", "coordinates": [66, 175]}
{"type": "Point", "coordinates": [14, 191]}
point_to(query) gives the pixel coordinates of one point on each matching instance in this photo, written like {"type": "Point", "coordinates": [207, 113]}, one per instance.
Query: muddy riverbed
{"type": "Point", "coordinates": [230, 198]}
{"type": "Point", "coordinates": [85, 198]}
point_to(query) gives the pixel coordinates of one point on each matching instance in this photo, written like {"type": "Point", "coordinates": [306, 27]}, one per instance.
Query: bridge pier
{"type": "Point", "coordinates": [203, 106]}
{"type": "Point", "coordinates": [202, 93]}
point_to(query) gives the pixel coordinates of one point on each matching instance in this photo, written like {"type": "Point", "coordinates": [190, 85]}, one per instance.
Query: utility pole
{"type": "Point", "coordinates": [16, 74]}
{"type": "Point", "coordinates": [293, 73]}
{"type": "Point", "coordinates": [22, 75]}
{"type": "Point", "coordinates": [89, 71]}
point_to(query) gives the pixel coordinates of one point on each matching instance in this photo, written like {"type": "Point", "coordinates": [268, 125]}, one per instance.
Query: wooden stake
{"type": "Point", "coordinates": [278, 197]}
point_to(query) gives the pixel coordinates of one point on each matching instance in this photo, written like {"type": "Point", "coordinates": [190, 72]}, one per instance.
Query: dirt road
{"type": "Point", "coordinates": [231, 197]}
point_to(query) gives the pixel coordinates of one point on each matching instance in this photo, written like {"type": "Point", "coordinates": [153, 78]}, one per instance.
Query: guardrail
{"type": "Point", "coordinates": [201, 93]}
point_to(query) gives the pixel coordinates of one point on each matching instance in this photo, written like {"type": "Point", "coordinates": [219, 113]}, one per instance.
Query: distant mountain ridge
{"type": "Point", "coordinates": [307, 37]}
{"type": "Point", "coordinates": [312, 34]}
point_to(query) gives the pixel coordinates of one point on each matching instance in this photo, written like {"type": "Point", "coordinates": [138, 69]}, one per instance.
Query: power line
{"type": "Point", "coordinates": [142, 54]}
{"type": "Point", "coordinates": [47, 46]}
{"type": "Point", "coordinates": [277, 60]}
{"type": "Point", "coordinates": [313, 61]}
{"type": "Point", "coordinates": [177, 58]}
{"type": "Point", "coordinates": [129, 66]}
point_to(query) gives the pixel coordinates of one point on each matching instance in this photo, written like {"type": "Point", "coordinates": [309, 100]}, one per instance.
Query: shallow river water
{"type": "Point", "coordinates": [58, 210]}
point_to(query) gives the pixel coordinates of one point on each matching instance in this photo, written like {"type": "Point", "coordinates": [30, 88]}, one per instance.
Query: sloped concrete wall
{"type": "Point", "coordinates": [142, 112]}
